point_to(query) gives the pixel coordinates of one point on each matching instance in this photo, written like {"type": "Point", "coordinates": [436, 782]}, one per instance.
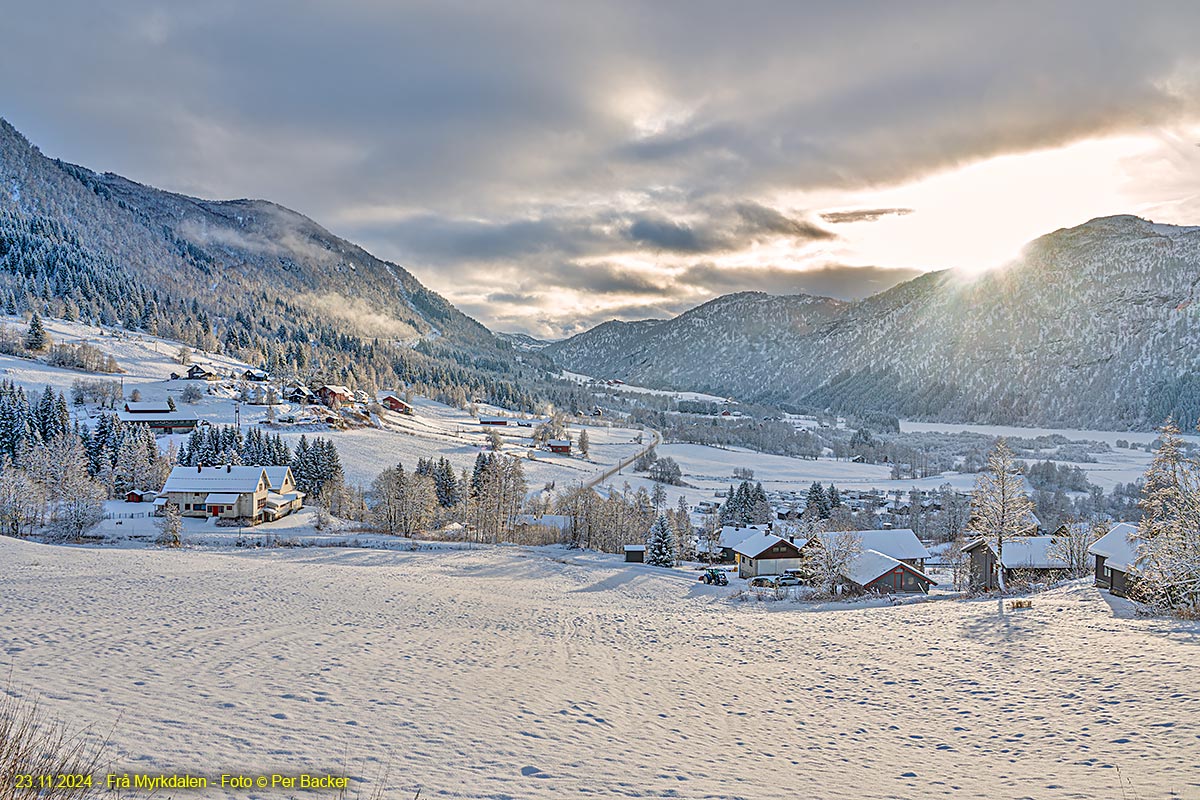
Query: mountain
{"type": "Point", "coordinates": [522, 341]}
{"type": "Point", "coordinates": [246, 276]}
{"type": "Point", "coordinates": [1093, 326]}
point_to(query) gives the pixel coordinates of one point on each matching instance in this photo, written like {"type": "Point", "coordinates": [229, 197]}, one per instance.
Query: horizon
{"type": "Point", "coordinates": [665, 162]}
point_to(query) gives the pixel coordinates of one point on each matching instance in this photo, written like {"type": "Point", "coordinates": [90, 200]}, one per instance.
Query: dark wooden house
{"type": "Point", "coordinates": [1025, 558]}
{"type": "Point", "coordinates": [1116, 554]}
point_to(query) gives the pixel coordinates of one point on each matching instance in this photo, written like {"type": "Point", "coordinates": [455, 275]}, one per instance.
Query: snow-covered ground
{"type": "Point", "coordinates": [436, 430]}
{"type": "Point", "coordinates": [513, 673]}
{"type": "Point", "coordinates": [701, 397]}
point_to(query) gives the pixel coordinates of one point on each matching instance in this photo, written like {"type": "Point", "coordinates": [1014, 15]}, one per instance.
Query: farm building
{"type": "Point", "coordinates": [393, 402]}
{"type": "Point", "coordinates": [1025, 557]}
{"type": "Point", "coordinates": [635, 553]}
{"type": "Point", "coordinates": [332, 394]}
{"type": "Point", "coordinates": [197, 372]}
{"type": "Point", "coordinates": [873, 571]}
{"type": "Point", "coordinates": [765, 554]}
{"type": "Point", "coordinates": [161, 421]}
{"type": "Point", "coordinates": [1116, 554]}
{"type": "Point", "coordinates": [299, 394]}
{"type": "Point", "coordinates": [560, 446]}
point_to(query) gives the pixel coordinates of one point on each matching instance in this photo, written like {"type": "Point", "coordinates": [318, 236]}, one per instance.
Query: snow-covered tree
{"type": "Point", "coordinates": [36, 338]}
{"type": "Point", "coordinates": [170, 526]}
{"type": "Point", "coordinates": [1071, 543]}
{"type": "Point", "coordinates": [584, 443]}
{"type": "Point", "coordinates": [827, 561]}
{"type": "Point", "coordinates": [1168, 563]}
{"type": "Point", "coordinates": [660, 543]}
{"type": "Point", "coordinates": [1000, 508]}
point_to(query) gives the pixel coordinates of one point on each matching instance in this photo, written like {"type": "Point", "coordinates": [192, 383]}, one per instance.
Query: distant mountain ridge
{"type": "Point", "coordinates": [1093, 326]}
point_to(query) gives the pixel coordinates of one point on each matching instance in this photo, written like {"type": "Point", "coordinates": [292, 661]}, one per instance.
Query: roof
{"type": "Point", "coordinates": [276, 475]}
{"type": "Point", "coordinates": [335, 389]}
{"type": "Point", "coordinates": [163, 416]}
{"type": "Point", "coordinates": [759, 543]}
{"type": "Point", "coordinates": [1025, 552]}
{"type": "Point", "coordinates": [872, 564]}
{"type": "Point", "coordinates": [732, 535]}
{"type": "Point", "coordinates": [217, 498]}
{"type": "Point", "coordinates": [559, 442]}
{"type": "Point", "coordinates": [899, 543]}
{"type": "Point", "coordinates": [1119, 546]}
{"type": "Point", "coordinates": [148, 406]}
{"type": "Point", "coordinates": [253, 371]}
{"type": "Point", "coordinates": [275, 500]}
{"type": "Point", "coordinates": [635, 548]}
{"type": "Point", "coordinates": [213, 479]}
{"type": "Point", "coordinates": [485, 419]}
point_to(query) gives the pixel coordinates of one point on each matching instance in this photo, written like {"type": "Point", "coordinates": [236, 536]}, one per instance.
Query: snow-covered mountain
{"type": "Point", "coordinates": [1096, 325]}
{"type": "Point", "coordinates": [246, 276]}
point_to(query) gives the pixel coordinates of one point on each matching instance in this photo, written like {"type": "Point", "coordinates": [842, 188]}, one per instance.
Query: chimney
{"type": "Point", "coordinates": [199, 469]}
{"type": "Point", "coordinates": [229, 467]}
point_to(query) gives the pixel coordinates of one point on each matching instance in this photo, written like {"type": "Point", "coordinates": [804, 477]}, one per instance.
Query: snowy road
{"type": "Point", "coordinates": [510, 674]}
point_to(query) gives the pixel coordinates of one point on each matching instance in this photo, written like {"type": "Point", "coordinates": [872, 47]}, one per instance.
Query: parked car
{"type": "Point", "coordinates": [773, 581]}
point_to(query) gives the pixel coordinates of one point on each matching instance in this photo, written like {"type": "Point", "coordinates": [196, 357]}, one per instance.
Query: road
{"type": "Point", "coordinates": [608, 473]}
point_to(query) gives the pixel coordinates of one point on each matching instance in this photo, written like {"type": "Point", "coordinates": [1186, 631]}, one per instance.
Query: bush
{"type": "Point", "coordinates": [32, 743]}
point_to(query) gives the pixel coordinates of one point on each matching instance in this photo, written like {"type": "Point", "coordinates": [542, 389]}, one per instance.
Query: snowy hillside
{"type": "Point", "coordinates": [1096, 326]}
{"type": "Point", "coordinates": [510, 673]}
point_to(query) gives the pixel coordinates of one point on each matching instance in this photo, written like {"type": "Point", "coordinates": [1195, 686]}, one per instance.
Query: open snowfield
{"type": "Point", "coordinates": [510, 673]}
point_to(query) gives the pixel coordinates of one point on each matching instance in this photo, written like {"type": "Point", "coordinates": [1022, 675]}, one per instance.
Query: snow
{"type": "Point", "coordinates": [898, 543]}
{"type": "Point", "coordinates": [534, 674]}
{"type": "Point", "coordinates": [869, 565]}
{"type": "Point", "coordinates": [701, 397]}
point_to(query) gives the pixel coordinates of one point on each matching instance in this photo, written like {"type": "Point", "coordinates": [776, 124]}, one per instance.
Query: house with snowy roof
{"type": "Point", "coordinates": [900, 544]}
{"type": "Point", "coordinates": [393, 402]}
{"type": "Point", "coordinates": [253, 494]}
{"type": "Point", "coordinates": [873, 571]}
{"type": "Point", "coordinates": [159, 417]}
{"type": "Point", "coordinates": [1116, 554]}
{"type": "Point", "coordinates": [763, 553]}
{"type": "Point", "coordinates": [1025, 557]}
{"type": "Point", "coordinates": [332, 394]}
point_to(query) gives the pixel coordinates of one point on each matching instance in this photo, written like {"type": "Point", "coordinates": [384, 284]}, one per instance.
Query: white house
{"type": "Point", "coordinates": [255, 494]}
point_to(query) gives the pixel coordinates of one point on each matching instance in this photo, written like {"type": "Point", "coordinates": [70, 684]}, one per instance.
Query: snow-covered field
{"type": "Point", "coordinates": [701, 397]}
{"type": "Point", "coordinates": [511, 673]}
{"type": "Point", "coordinates": [436, 430]}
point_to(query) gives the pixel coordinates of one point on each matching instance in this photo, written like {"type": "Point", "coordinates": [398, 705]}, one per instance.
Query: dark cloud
{"type": "Point", "coordinates": [864, 214]}
{"type": "Point", "coordinates": [668, 235]}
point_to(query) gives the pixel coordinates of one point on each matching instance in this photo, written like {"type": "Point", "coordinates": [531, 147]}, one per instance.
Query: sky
{"type": "Point", "coordinates": [548, 166]}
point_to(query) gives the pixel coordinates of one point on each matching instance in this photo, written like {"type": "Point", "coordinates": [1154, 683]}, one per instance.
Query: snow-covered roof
{"type": "Point", "coordinates": [1119, 546]}
{"type": "Point", "coordinates": [214, 479]}
{"type": "Point", "coordinates": [899, 543]}
{"type": "Point", "coordinates": [871, 564]}
{"type": "Point", "coordinates": [731, 535]}
{"type": "Point", "coordinates": [336, 389]}
{"type": "Point", "coordinates": [758, 543]}
{"type": "Point", "coordinates": [276, 476]}
{"type": "Point", "coordinates": [221, 498]}
{"type": "Point", "coordinates": [485, 419]}
{"type": "Point", "coordinates": [148, 407]}
{"type": "Point", "coordinates": [1026, 552]}
{"type": "Point", "coordinates": [559, 442]}
{"type": "Point", "coordinates": [160, 416]}
{"type": "Point", "coordinates": [635, 548]}
{"type": "Point", "coordinates": [275, 500]}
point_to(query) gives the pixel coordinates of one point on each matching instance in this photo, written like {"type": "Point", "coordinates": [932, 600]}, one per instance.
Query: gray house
{"type": "Point", "coordinates": [1116, 554]}
{"type": "Point", "coordinates": [1025, 558]}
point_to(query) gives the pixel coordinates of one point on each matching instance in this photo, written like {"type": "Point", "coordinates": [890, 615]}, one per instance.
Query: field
{"type": "Point", "coordinates": [511, 673]}
{"type": "Point", "coordinates": [436, 430]}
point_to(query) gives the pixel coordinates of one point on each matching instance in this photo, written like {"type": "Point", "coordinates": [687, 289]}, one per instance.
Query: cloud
{"type": "Point", "coordinates": [440, 138]}
{"type": "Point", "coordinates": [864, 214]}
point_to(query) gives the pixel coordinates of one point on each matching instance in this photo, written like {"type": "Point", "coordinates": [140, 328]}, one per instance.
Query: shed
{"type": "Point", "coordinates": [635, 553]}
{"type": "Point", "coordinates": [1116, 555]}
{"type": "Point", "coordinates": [560, 446]}
{"type": "Point", "coordinates": [1030, 556]}
{"type": "Point", "coordinates": [140, 496]}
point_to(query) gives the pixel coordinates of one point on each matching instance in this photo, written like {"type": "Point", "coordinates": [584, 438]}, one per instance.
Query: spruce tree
{"type": "Point", "coordinates": [36, 338]}
{"type": "Point", "coordinates": [660, 543]}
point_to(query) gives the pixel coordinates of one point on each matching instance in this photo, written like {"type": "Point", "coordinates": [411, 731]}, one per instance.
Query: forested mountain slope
{"type": "Point", "coordinates": [247, 276]}
{"type": "Point", "coordinates": [1093, 326]}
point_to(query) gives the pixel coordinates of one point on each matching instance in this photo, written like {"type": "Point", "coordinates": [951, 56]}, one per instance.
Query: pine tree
{"type": "Point", "coordinates": [660, 543]}
{"type": "Point", "coordinates": [36, 338]}
{"type": "Point", "coordinates": [818, 502]}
